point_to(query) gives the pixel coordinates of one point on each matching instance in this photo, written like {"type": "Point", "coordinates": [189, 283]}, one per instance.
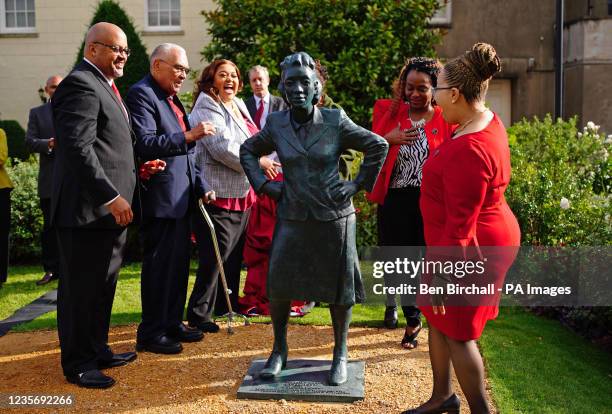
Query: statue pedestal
{"type": "Point", "coordinates": [303, 380]}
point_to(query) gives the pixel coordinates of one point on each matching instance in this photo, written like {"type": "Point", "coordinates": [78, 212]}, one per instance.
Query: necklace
{"type": "Point", "coordinates": [466, 123]}
{"type": "Point", "coordinates": [417, 124]}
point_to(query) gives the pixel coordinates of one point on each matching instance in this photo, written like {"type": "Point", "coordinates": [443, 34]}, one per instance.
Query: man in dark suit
{"type": "Point", "coordinates": [93, 186]}
{"type": "Point", "coordinates": [262, 103]}
{"type": "Point", "coordinates": [40, 138]}
{"type": "Point", "coordinates": [168, 198]}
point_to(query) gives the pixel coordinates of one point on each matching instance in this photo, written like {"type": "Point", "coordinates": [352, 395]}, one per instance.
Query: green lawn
{"type": "Point", "coordinates": [534, 365]}
{"type": "Point", "coordinates": [20, 289]}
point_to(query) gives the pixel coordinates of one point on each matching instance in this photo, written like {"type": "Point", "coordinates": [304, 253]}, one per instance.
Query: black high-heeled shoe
{"type": "Point", "coordinates": [411, 339]}
{"type": "Point", "coordinates": [450, 406]}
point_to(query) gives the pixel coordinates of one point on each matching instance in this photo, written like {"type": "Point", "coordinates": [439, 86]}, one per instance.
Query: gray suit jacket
{"type": "Point", "coordinates": [310, 169]}
{"type": "Point", "coordinates": [219, 155]}
{"type": "Point", "coordinates": [40, 130]}
{"type": "Point", "coordinates": [276, 104]}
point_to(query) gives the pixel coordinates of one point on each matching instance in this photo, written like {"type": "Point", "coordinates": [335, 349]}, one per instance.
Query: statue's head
{"type": "Point", "coordinates": [299, 84]}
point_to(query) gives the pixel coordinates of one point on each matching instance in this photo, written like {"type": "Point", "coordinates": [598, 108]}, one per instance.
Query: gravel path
{"type": "Point", "coordinates": [204, 378]}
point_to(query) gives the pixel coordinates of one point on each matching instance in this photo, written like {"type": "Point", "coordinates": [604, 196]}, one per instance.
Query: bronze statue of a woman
{"type": "Point", "coordinates": [313, 255]}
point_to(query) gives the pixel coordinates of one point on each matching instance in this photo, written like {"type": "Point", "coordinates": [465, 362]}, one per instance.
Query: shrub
{"type": "Point", "coordinates": [367, 233]}
{"type": "Point", "coordinates": [15, 136]}
{"type": "Point", "coordinates": [137, 65]}
{"type": "Point", "coordinates": [26, 216]}
{"type": "Point", "coordinates": [560, 187]}
{"type": "Point", "coordinates": [362, 43]}
{"type": "Point", "coordinates": [560, 193]}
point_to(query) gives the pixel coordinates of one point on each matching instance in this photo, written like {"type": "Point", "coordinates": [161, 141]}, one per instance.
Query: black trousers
{"type": "Point", "coordinates": [90, 260]}
{"type": "Point", "coordinates": [400, 223]}
{"type": "Point", "coordinates": [5, 227]}
{"type": "Point", "coordinates": [207, 296]}
{"type": "Point", "coordinates": [48, 239]}
{"type": "Point", "coordinates": [164, 276]}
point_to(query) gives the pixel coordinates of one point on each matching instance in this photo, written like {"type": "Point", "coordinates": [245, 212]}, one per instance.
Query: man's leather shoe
{"type": "Point", "coordinates": [91, 379]}
{"type": "Point", "coordinates": [209, 327]}
{"type": "Point", "coordinates": [47, 277]}
{"type": "Point", "coordinates": [117, 360]}
{"type": "Point", "coordinates": [184, 333]}
{"type": "Point", "coordinates": [161, 345]}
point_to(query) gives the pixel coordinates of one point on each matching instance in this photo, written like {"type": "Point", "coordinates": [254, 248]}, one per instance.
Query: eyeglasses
{"type": "Point", "coordinates": [116, 49]}
{"type": "Point", "coordinates": [178, 68]}
{"type": "Point", "coordinates": [434, 89]}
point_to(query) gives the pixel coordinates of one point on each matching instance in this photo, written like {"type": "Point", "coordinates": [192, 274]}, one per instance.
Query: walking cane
{"type": "Point", "coordinates": [230, 315]}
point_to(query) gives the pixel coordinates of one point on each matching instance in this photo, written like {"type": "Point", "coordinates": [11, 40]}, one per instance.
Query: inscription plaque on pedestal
{"type": "Point", "coordinates": [303, 380]}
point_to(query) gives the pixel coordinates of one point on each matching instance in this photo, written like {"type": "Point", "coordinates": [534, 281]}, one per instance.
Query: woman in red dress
{"type": "Point", "coordinates": [463, 205]}
{"type": "Point", "coordinates": [414, 127]}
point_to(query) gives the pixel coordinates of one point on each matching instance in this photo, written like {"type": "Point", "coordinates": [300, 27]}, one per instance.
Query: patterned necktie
{"type": "Point", "coordinates": [259, 113]}
{"type": "Point", "coordinates": [178, 113]}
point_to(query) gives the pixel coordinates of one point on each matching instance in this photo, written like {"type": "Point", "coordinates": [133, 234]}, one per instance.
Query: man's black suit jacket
{"type": "Point", "coordinates": [276, 104]}
{"type": "Point", "coordinates": [40, 131]}
{"type": "Point", "coordinates": [94, 151]}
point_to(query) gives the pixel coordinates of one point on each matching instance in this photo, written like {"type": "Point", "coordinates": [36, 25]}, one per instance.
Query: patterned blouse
{"type": "Point", "coordinates": [408, 168]}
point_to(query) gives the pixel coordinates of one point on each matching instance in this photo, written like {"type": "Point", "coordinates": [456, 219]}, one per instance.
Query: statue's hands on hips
{"type": "Point", "coordinates": [345, 191]}
{"type": "Point", "coordinates": [274, 189]}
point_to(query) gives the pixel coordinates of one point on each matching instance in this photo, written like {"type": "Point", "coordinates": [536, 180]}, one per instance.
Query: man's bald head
{"type": "Point", "coordinates": [52, 84]}
{"type": "Point", "coordinates": [102, 31]}
{"type": "Point", "coordinates": [105, 47]}
{"type": "Point", "coordinates": [169, 67]}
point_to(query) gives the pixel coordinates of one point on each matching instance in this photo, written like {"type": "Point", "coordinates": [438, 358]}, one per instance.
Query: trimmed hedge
{"type": "Point", "coordinates": [26, 216]}
{"type": "Point", "coordinates": [15, 136]}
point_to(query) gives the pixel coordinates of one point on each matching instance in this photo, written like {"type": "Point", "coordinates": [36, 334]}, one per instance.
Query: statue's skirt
{"type": "Point", "coordinates": [315, 261]}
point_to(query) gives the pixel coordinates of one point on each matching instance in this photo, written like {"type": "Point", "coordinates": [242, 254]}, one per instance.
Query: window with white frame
{"type": "Point", "coordinates": [443, 16]}
{"type": "Point", "coordinates": [164, 15]}
{"type": "Point", "coordinates": [17, 16]}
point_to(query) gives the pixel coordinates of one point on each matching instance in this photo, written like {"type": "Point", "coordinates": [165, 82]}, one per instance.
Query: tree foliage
{"type": "Point", "coordinates": [362, 43]}
{"type": "Point", "coordinates": [137, 65]}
